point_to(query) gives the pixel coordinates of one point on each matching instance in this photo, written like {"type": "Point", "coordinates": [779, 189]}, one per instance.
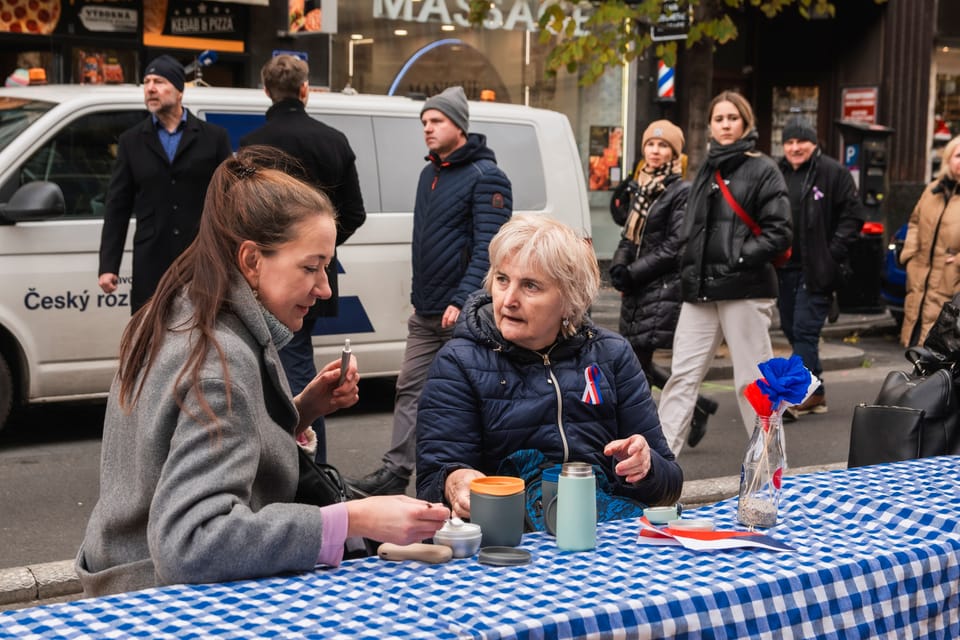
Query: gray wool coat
{"type": "Point", "coordinates": [181, 503]}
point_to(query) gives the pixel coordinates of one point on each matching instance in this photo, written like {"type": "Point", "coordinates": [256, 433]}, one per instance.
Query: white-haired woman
{"type": "Point", "coordinates": [930, 250]}
{"type": "Point", "coordinates": [527, 369]}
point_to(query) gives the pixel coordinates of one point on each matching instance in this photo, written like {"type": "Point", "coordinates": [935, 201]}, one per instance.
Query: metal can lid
{"type": "Point", "coordinates": [576, 470]}
{"type": "Point", "coordinates": [504, 556]}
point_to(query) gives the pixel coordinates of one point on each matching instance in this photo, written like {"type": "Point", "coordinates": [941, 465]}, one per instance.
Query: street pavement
{"type": "Point", "coordinates": [50, 582]}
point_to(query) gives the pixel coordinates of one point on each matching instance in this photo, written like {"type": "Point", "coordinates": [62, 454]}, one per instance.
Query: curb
{"type": "Point", "coordinates": [39, 584]}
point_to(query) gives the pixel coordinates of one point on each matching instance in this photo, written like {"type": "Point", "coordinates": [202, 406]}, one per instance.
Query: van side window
{"type": "Point", "coordinates": [79, 158]}
{"type": "Point", "coordinates": [401, 160]}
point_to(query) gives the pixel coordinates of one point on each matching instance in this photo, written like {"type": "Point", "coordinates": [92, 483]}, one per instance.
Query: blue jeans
{"type": "Point", "coordinates": [802, 314]}
{"type": "Point", "coordinates": [298, 364]}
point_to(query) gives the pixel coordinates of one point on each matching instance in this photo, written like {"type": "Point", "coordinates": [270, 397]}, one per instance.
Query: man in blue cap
{"type": "Point", "coordinates": [160, 177]}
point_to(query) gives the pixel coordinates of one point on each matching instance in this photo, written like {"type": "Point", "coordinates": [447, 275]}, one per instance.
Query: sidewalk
{"type": "Point", "coordinates": [834, 353]}
{"type": "Point", "coordinates": [57, 582]}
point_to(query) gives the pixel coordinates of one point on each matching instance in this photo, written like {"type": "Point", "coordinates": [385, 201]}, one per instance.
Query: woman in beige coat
{"type": "Point", "coordinates": [931, 249]}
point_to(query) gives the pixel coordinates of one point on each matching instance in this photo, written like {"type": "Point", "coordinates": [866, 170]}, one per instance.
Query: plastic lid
{"type": "Point", "coordinates": [504, 556]}
{"type": "Point", "coordinates": [463, 531]}
{"type": "Point", "coordinates": [551, 473]}
{"type": "Point", "coordinates": [497, 485]}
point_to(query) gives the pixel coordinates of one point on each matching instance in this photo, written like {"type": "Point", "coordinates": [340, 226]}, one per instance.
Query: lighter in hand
{"type": "Point", "coordinates": [344, 361]}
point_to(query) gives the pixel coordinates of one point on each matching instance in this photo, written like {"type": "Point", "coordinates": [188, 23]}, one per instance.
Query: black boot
{"type": "Point", "coordinates": [702, 411]}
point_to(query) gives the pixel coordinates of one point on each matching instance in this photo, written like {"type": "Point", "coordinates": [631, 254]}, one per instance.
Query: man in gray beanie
{"type": "Point", "coordinates": [462, 200]}
{"type": "Point", "coordinates": [451, 102]}
{"type": "Point", "coordinates": [826, 207]}
{"type": "Point", "coordinates": [160, 177]}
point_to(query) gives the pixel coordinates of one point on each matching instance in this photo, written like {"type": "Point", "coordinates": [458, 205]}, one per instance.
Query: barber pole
{"type": "Point", "coordinates": [664, 82]}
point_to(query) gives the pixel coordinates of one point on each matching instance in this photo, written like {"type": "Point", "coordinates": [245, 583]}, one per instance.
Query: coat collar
{"type": "Point", "coordinates": [286, 106]}
{"type": "Point", "coordinates": [152, 139]}
{"type": "Point", "coordinates": [479, 326]}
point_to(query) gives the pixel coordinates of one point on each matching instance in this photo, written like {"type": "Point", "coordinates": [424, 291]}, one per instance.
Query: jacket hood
{"type": "Point", "coordinates": [478, 325]}
{"type": "Point", "coordinates": [475, 149]}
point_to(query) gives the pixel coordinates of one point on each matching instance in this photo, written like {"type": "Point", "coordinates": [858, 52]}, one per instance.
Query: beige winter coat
{"type": "Point", "coordinates": [933, 237]}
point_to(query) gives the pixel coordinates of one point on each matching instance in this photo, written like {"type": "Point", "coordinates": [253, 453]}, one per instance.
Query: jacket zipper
{"type": "Point", "coordinates": [556, 389]}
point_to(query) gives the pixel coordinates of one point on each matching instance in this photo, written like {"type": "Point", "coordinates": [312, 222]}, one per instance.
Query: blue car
{"type": "Point", "coordinates": [893, 278]}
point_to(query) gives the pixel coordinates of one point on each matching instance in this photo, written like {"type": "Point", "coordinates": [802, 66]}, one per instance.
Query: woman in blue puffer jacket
{"type": "Point", "coordinates": [527, 369]}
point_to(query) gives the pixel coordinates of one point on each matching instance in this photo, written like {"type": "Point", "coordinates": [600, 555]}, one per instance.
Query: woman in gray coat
{"type": "Point", "coordinates": [199, 464]}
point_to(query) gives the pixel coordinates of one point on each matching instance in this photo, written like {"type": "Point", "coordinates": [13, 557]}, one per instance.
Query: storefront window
{"type": "Point", "coordinates": [946, 103]}
{"type": "Point", "coordinates": [399, 47]}
{"type": "Point", "coordinates": [96, 65]}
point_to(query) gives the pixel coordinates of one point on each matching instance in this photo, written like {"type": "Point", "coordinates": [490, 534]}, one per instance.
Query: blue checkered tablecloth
{"type": "Point", "coordinates": [877, 555]}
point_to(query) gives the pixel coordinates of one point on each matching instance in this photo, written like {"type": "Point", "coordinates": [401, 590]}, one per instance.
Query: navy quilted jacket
{"type": "Point", "coordinates": [461, 203]}
{"type": "Point", "coordinates": [486, 398]}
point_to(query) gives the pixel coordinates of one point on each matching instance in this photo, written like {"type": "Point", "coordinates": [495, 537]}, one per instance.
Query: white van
{"type": "Point", "coordinates": [59, 334]}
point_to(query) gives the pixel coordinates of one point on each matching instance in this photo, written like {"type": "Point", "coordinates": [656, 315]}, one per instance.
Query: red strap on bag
{"type": "Point", "coordinates": [781, 259]}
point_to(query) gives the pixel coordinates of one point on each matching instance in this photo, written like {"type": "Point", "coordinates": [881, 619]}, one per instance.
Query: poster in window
{"type": "Point", "coordinates": [606, 147]}
{"type": "Point", "coordinates": [312, 16]}
{"type": "Point", "coordinates": [102, 66]}
{"type": "Point", "coordinates": [33, 17]}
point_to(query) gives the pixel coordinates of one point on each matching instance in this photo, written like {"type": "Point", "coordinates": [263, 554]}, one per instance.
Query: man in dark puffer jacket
{"type": "Point", "coordinates": [462, 200]}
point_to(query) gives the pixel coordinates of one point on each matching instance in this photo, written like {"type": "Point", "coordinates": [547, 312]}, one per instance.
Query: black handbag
{"type": "Point", "coordinates": [943, 338]}
{"type": "Point", "coordinates": [322, 485]}
{"type": "Point", "coordinates": [914, 416]}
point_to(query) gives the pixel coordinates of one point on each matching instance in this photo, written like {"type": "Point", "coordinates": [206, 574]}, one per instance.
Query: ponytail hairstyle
{"type": "Point", "coordinates": [251, 196]}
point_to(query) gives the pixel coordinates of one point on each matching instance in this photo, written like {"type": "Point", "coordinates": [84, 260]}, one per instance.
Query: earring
{"type": "Point", "coordinates": [565, 322]}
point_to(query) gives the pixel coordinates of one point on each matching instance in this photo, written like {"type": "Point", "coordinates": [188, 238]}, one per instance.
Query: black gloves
{"type": "Point", "coordinates": [620, 277]}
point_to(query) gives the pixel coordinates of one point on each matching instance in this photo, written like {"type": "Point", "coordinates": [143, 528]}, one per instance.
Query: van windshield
{"type": "Point", "coordinates": [16, 114]}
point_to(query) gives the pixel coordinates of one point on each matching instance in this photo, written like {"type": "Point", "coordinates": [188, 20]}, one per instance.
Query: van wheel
{"type": "Point", "coordinates": [6, 391]}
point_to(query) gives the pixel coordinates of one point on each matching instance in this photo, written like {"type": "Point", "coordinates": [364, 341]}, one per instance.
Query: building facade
{"type": "Point", "coordinates": [895, 64]}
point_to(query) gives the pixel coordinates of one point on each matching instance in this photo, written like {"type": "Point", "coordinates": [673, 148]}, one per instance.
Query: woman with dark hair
{"type": "Point", "coordinates": [728, 281]}
{"type": "Point", "coordinates": [199, 465]}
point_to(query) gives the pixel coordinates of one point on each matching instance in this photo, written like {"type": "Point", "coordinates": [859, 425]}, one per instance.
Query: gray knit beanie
{"type": "Point", "coordinates": [800, 129]}
{"type": "Point", "coordinates": [452, 102]}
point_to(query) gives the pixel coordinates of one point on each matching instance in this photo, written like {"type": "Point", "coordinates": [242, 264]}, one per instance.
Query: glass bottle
{"type": "Point", "coordinates": [761, 473]}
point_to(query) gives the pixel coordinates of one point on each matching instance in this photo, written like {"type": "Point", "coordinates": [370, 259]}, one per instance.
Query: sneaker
{"type": "Point", "coordinates": [789, 415]}
{"type": "Point", "coordinates": [382, 482]}
{"type": "Point", "coordinates": [817, 403]}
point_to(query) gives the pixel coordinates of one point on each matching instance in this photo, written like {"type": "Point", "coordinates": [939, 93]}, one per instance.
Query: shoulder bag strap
{"type": "Point", "coordinates": [747, 220]}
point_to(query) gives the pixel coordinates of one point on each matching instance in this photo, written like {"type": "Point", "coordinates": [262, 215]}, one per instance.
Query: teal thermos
{"type": "Point", "coordinates": [576, 507]}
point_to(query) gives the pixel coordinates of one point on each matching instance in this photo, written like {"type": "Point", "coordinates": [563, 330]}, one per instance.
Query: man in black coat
{"type": "Point", "coordinates": [160, 176]}
{"type": "Point", "coordinates": [827, 218]}
{"type": "Point", "coordinates": [327, 162]}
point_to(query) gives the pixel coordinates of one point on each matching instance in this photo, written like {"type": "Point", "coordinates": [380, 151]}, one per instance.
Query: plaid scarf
{"type": "Point", "coordinates": [649, 186]}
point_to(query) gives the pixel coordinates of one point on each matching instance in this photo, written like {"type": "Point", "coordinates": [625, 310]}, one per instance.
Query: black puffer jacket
{"type": "Point", "coordinates": [723, 260]}
{"type": "Point", "coordinates": [651, 303]}
{"type": "Point", "coordinates": [486, 398]}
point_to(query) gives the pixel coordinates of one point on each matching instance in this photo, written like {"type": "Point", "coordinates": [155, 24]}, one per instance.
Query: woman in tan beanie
{"type": "Point", "coordinates": [645, 266]}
